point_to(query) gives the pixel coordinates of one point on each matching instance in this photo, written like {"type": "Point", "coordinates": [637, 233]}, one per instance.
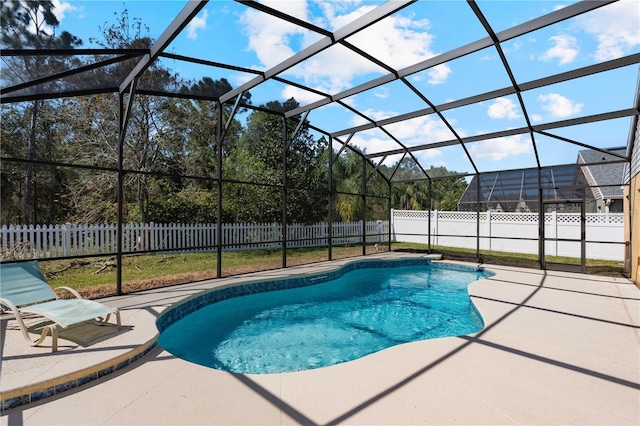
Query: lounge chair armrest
{"type": "Point", "coordinates": [8, 304]}
{"type": "Point", "coordinates": [71, 290]}
{"type": "Point", "coordinates": [23, 328]}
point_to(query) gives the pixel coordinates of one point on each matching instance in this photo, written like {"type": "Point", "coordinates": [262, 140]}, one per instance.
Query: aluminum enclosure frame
{"type": "Point", "coordinates": [127, 89]}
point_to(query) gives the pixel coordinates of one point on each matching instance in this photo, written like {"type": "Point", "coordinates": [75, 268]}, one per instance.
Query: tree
{"type": "Point", "coordinates": [32, 25]}
{"type": "Point", "coordinates": [446, 191]}
{"type": "Point", "coordinates": [150, 144]}
{"type": "Point", "coordinates": [347, 175]}
{"type": "Point", "coordinates": [202, 123]}
{"type": "Point", "coordinates": [258, 158]}
{"type": "Point", "coordinates": [412, 190]}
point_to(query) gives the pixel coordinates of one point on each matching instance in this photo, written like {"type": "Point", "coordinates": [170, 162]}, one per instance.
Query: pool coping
{"type": "Point", "coordinates": [229, 286]}
{"type": "Point", "coordinates": [544, 357]}
{"type": "Point", "coordinates": [37, 391]}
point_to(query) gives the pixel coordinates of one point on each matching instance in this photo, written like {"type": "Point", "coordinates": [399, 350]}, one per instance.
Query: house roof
{"type": "Point", "coordinates": [601, 172]}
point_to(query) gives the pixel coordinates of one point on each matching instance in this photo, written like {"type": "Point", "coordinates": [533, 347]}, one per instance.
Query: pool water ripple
{"type": "Point", "coordinates": [360, 312]}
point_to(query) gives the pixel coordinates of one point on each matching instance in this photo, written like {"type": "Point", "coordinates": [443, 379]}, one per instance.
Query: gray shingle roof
{"type": "Point", "coordinates": [605, 174]}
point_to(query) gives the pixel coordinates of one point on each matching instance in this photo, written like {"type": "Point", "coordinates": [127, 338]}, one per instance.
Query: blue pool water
{"type": "Point", "coordinates": [358, 313]}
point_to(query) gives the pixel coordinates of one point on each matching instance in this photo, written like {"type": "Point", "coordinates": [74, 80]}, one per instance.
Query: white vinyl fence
{"type": "Point", "coordinates": [50, 241]}
{"type": "Point", "coordinates": [514, 232]}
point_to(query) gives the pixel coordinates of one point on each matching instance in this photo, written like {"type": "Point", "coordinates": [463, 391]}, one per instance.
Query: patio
{"type": "Point", "coordinates": [557, 348]}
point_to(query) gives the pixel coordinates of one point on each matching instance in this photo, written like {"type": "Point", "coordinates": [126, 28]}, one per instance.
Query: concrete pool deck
{"type": "Point", "coordinates": [557, 348]}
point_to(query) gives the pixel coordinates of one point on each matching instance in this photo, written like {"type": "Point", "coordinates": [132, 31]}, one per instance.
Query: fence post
{"type": "Point", "coordinates": [554, 227]}
{"type": "Point", "coordinates": [435, 227]}
{"type": "Point", "coordinates": [154, 236]}
{"type": "Point", "coordinates": [488, 230]}
{"type": "Point", "coordinates": [3, 240]}
{"type": "Point", "coordinates": [67, 239]}
{"type": "Point", "coordinates": [392, 224]}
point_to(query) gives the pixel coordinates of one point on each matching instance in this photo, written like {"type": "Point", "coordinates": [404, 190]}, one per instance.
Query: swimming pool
{"type": "Point", "coordinates": [321, 320]}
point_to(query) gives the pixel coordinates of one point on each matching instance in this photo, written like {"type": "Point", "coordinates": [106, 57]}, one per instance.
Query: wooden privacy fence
{"type": "Point", "coordinates": [50, 241]}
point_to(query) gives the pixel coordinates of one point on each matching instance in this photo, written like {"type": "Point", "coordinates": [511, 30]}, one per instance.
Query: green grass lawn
{"type": "Point", "coordinates": [95, 277]}
{"type": "Point", "coordinates": [593, 266]}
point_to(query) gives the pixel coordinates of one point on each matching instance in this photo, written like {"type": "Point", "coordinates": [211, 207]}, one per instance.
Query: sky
{"type": "Point", "coordinates": [229, 32]}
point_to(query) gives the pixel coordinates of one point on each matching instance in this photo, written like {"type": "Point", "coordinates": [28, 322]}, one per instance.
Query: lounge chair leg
{"type": "Point", "coordinates": [45, 332]}
{"type": "Point", "coordinates": [117, 313]}
{"type": "Point", "coordinates": [54, 338]}
{"type": "Point", "coordinates": [105, 320]}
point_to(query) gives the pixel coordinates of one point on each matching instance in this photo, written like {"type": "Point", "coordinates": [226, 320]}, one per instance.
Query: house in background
{"type": "Point", "coordinates": [596, 177]}
{"type": "Point", "coordinates": [606, 179]}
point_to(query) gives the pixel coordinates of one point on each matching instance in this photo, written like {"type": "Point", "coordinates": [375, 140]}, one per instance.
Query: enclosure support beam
{"type": "Point", "coordinates": [191, 9]}
{"type": "Point", "coordinates": [120, 196]}
{"type": "Point", "coordinates": [330, 184]}
{"type": "Point", "coordinates": [124, 116]}
{"type": "Point", "coordinates": [284, 192]}
{"type": "Point", "coordinates": [429, 206]}
{"type": "Point", "coordinates": [297, 129]}
{"type": "Point", "coordinates": [364, 206]}
{"type": "Point", "coordinates": [336, 37]}
{"type": "Point", "coordinates": [221, 134]}
{"type": "Point", "coordinates": [389, 214]}
{"type": "Point", "coordinates": [540, 222]}
{"type": "Point", "coordinates": [219, 138]}
{"type": "Point", "coordinates": [583, 235]}
{"type": "Point", "coordinates": [478, 218]}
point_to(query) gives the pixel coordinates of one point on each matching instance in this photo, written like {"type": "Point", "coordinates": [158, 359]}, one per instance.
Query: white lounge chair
{"type": "Point", "coordinates": [24, 290]}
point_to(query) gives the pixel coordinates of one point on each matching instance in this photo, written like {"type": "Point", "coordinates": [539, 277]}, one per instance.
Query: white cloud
{"type": "Point", "coordinates": [390, 161]}
{"type": "Point", "coordinates": [241, 78]}
{"type": "Point", "coordinates": [197, 23]}
{"type": "Point", "coordinates": [381, 93]}
{"type": "Point", "coordinates": [334, 15]}
{"type": "Point", "coordinates": [558, 105]}
{"type": "Point", "coordinates": [302, 96]}
{"type": "Point", "coordinates": [500, 148]}
{"type": "Point", "coordinates": [269, 37]}
{"type": "Point", "coordinates": [565, 49]}
{"type": "Point", "coordinates": [372, 143]}
{"type": "Point", "coordinates": [378, 115]}
{"type": "Point", "coordinates": [61, 8]}
{"type": "Point", "coordinates": [512, 46]}
{"type": "Point", "coordinates": [616, 27]}
{"type": "Point", "coordinates": [503, 108]}
{"type": "Point", "coordinates": [429, 155]}
{"type": "Point", "coordinates": [399, 40]}
{"type": "Point", "coordinates": [421, 130]}
{"type": "Point", "coordinates": [332, 70]}
{"type": "Point", "coordinates": [417, 131]}
{"type": "Point", "coordinates": [536, 117]}
{"type": "Point", "coordinates": [60, 11]}
{"type": "Point", "coordinates": [439, 74]}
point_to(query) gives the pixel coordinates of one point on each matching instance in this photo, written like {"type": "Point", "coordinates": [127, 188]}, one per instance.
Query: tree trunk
{"type": "Point", "coordinates": [28, 210]}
